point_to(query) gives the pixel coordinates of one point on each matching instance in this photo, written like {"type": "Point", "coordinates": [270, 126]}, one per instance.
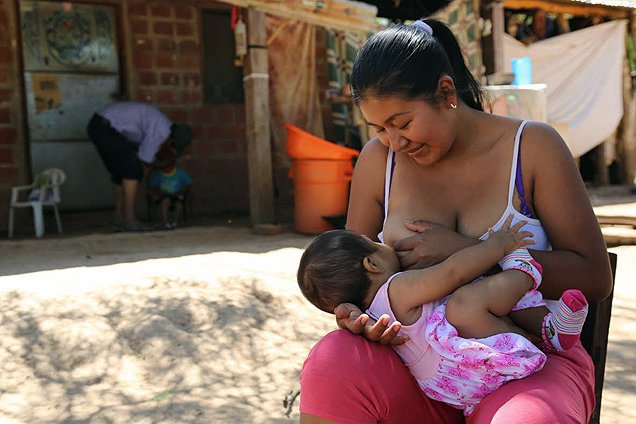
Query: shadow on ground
{"type": "Point", "coordinates": [178, 351]}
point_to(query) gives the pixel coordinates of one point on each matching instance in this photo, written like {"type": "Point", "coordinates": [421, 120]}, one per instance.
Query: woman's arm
{"type": "Point", "coordinates": [365, 215]}
{"type": "Point", "coordinates": [579, 257]}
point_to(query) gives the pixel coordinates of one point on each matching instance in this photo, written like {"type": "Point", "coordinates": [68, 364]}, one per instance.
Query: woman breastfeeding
{"type": "Point", "coordinates": [439, 175]}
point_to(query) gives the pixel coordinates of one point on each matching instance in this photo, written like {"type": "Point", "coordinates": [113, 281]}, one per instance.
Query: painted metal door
{"type": "Point", "coordinates": [71, 69]}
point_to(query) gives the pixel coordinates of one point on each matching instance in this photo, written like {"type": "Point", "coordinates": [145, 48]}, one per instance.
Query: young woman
{"type": "Point", "coordinates": [441, 173]}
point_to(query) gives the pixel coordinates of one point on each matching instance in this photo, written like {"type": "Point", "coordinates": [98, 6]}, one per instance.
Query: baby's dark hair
{"type": "Point", "coordinates": [166, 157]}
{"type": "Point", "coordinates": [331, 270]}
{"type": "Point", "coordinates": [406, 61]}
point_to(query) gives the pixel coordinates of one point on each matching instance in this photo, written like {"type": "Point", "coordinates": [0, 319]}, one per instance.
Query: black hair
{"type": "Point", "coordinates": [406, 61]}
{"type": "Point", "coordinates": [331, 270]}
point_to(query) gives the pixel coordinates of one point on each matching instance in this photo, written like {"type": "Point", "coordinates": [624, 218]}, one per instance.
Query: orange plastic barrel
{"type": "Point", "coordinates": [321, 171]}
{"type": "Point", "coordinates": [303, 145]}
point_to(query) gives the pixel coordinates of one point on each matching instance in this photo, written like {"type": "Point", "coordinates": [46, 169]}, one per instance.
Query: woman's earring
{"type": "Point", "coordinates": [453, 106]}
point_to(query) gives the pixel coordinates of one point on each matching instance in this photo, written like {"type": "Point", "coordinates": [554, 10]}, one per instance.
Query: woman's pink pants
{"type": "Point", "coordinates": [350, 380]}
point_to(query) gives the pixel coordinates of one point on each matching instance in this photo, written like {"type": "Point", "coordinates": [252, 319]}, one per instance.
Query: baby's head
{"type": "Point", "coordinates": [166, 158]}
{"type": "Point", "coordinates": [342, 266]}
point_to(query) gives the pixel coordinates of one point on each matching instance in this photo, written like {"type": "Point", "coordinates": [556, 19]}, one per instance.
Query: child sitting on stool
{"type": "Point", "coordinates": [168, 186]}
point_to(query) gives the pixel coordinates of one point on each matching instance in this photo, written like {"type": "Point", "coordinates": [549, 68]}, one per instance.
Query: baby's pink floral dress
{"type": "Point", "coordinates": [452, 369]}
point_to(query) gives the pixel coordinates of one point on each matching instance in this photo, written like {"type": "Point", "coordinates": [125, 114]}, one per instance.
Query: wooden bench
{"type": "Point", "coordinates": [594, 339]}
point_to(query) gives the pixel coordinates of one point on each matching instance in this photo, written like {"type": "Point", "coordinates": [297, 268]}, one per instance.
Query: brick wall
{"type": "Point", "coordinates": [166, 46]}
{"type": "Point", "coordinates": [13, 167]}
{"type": "Point", "coordinates": [162, 60]}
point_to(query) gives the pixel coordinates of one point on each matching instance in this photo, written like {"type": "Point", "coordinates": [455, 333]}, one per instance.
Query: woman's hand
{"type": "Point", "coordinates": [350, 317]}
{"type": "Point", "coordinates": [431, 245]}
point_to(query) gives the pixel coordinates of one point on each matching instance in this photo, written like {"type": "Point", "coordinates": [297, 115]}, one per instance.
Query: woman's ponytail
{"type": "Point", "coordinates": [468, 89]}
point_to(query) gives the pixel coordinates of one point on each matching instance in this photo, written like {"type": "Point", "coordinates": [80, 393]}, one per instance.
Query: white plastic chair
{"type": "Point", "coordinates": [45, 191]}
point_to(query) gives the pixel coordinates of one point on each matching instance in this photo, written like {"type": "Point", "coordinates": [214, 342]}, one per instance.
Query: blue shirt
{"type": "Point", "coordinates": [140, 123]}
{"type": "Point", "coordinates": [169, 183]}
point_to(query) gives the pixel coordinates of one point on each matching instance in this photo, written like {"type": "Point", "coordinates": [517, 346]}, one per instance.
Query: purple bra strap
{"type": "Point", "coordinates": [525, 209]}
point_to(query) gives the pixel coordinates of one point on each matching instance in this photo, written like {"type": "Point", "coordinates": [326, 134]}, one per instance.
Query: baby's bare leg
{"type": "Point", "coordinates": [165, 204]}
{"type": "Point", "coordinates": [476, 309]}
{"type": "Point", "coordinates": [178, 207]}
{"type": "Point", "coordinates": [530, 319]}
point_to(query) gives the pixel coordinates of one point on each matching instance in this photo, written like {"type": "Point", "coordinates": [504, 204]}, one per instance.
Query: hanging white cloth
{"type": "Point", "coordinates": [584, 74]}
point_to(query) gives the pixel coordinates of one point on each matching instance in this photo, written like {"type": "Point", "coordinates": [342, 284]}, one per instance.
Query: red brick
{"type": "Point", "coordinates": [4, 19]}
{"type": "Point", "coordinates": [240, 114]}
{"type": "Point", "coordinates": [7, 157]}
{"type": "Point", "coordinates": [183, 12]}
{"type": "Point", "coordinates": [229, 147]}
{"type": "Point", "coordinates": [203, 115]}
{"type": "Point", "coordinates": [190, 80]}
{"type": "Point", "coordinates": [217, 132]}
{"type": "Point", "coordinates": [8, 134]}
{"type": "Point", "coordinates": [139, 26]}
{"type": "Point", "coordinates": [197, 130]}
{"type": "Point", "coordinates": [167, 96]}
{"type": "Point", "coordinates": [143, 44]}
{"type": "Point", "coordinates": [5, 115]}
{"type": "Point", "coordinates": [185, 29]}
{"type": "Point", "coordinates": [166, 61]}
{"type": "Point", "coordinates": [206, 149]}
{"type": "Point", "coordinates": [191, 97]}
{"type": "Point", "coordinates": [5, 55]}
{"type": "Point", "coordinates": [161, 10]}
{"type": "Point", "coordinates": [238, 132]}
{"type": "Point", "coordinates": [226, 114]}
{"type": "Point", "coordinates": [147, 78]}
{"type": "Point", "coordinates": [8, 174]}
{"type": "Point", "coordinates": [166, 45]}
{"type": "Point", "coordinates": [4, 75]}
{"type": "Point", "coordinates": [189, 46]}
{"type": "Point", "coordinates": [142, 60]}
{"type": "Point", "coordinates": [163, 28]}
{"type": "Point", "coordinates": [146, 95]}
{"type": "Point", "coordinates": [177, 115]}
{"type": "Point", "coordinates": [189, 61]}
{"type": "Point", "coordinates": [170, 78]}
{"type": "Point", "coordinates": [5, 38]}
{"type": "Point", "coordinates": [137, 9]}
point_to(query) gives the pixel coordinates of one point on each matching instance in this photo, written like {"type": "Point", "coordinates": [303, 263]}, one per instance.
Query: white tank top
{"type": "Point", "coordinates": [533, 225]}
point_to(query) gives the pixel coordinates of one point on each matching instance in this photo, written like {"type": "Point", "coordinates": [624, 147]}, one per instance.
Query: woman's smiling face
{"type": "Point", "coordinates": [413, 127]}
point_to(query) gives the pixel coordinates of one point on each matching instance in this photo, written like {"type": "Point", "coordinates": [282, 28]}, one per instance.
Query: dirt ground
{"type": "Point", "coordinates": [199, 325]}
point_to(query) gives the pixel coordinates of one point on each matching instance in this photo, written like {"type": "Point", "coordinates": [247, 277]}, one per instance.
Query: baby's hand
{"type": "Point", "coordinates": [510, 238]}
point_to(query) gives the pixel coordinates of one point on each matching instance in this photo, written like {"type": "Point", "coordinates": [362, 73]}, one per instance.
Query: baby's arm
{"type": "Point", "coordinates": [413, 288]}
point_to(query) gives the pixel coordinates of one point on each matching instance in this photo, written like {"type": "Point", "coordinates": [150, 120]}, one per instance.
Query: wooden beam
{"type": "Point", "coordinates": [344, 15]}
{"type": "Point", "coordinates": [572, 8]}
{"type": "Point", "coordinates": [492, 44]}
{"type": "Point", "coordinates": [259, 156]}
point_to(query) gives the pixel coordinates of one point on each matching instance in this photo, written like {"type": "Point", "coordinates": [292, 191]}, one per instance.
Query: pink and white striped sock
{"type": "Point", "coordinates": [521, 260]}
{"type": "Point", "coordinates": [562, 329]}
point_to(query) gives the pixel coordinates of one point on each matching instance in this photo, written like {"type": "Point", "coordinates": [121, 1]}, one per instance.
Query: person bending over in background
{"type": "Point", "coordinates": [127, 136]}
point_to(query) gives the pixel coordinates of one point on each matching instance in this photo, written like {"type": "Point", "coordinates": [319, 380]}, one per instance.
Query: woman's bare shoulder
{"type": "Point", "coordinates": [374, 149]}
{"type": "Point", "coordinates": [542, 135]}
{"type": "Point", "coordinates": [372, 158]}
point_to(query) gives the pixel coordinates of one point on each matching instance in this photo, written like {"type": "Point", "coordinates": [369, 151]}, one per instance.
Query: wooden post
{"type": "Point", "coordinates": [601, 171]}
{"type": "Point", "coordinates": [627, 148]}
{"type": "Point", "coordinates": [492, 44]}
{"type": "Point", "coordinates": [256, 85]}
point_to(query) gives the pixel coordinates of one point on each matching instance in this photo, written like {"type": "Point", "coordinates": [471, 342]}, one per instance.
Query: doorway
{"type": "Point", "coordinates": [71, 69]}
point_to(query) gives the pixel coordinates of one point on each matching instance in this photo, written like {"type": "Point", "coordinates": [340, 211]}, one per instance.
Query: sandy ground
{"type": "Point", "coordinates": [198, 325]}
{"type": "Point", "coordinates": [205, 325]}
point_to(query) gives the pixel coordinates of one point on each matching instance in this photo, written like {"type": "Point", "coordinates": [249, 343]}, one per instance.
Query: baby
{"type": "Point", "coordinates": [462, 346]}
